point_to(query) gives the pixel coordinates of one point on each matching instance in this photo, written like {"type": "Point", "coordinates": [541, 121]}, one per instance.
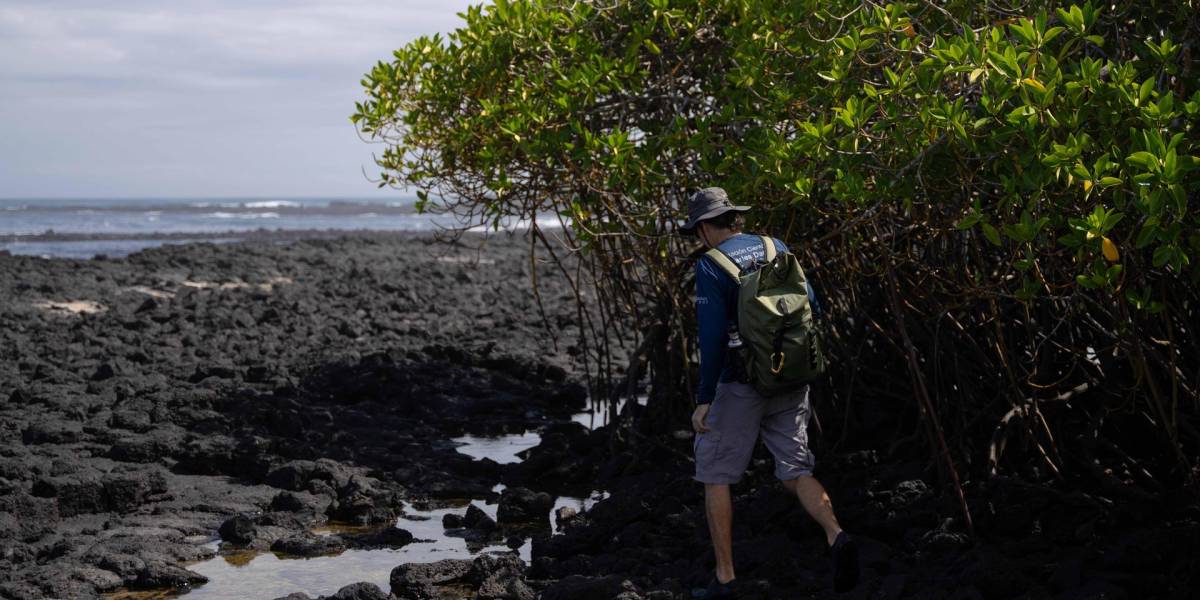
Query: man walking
{"type": "Point", "coordinates": [730, 415]}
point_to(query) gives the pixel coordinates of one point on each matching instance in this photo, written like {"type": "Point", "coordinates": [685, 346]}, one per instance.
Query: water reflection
{"type": "Point", "coordinates": [427, 525]}
{"type": "Point", "coordinates": [599, 413]}
{"type": "Point", "coordinates": [249, 574]}
{"type": "Point", "coordinates": [502, 449]}
{"type": "Point", "coordinates": [580, 505]}
{"type": "Point", "coordinates": [268, 575]}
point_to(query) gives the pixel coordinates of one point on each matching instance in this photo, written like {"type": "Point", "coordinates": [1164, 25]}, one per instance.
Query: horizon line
{"type": "Point", "coordinates": [276, 197]}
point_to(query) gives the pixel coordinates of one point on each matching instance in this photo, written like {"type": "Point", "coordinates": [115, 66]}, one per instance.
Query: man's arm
{"type": "Point", "coordinates": [712, 320]}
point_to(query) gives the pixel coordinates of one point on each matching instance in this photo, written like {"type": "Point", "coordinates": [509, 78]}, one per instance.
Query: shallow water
{"type": "Point", "coordinates": [502, 449]}
{"type": "Point", "coordinates": [268, 575]}
{"type": "Point", "coordinates": [598, 414]}
{"type": "Point", "coordinates": [580, 505]}
{"type": "Point", "coordinates": [427, 525]}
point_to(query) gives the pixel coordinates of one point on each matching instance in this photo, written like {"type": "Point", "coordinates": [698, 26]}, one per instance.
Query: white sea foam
{"type": "Point", "coordinates": [227, 215]}
{"type": "Point", "coordinates": [543, 222]}
{"type": "Point", "coordinates": [272, 204]}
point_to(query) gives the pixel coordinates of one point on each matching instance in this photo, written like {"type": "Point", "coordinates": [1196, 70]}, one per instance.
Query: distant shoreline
{"type": "Point", "coordinates": [84, 246]}
{"type": "Point", "coordinates": [241, 235]}
{"type": "Point", "coordinates": [283, 207]}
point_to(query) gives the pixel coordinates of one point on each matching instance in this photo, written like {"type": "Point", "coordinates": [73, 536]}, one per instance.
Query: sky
{"type": "Point", "coordinates": [191, 98]}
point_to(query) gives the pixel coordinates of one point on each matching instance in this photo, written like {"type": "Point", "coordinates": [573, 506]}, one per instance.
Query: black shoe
{"type": "Point", "coordinates": [844, 553]}
{"type": "Point", "coordinates": [715, 590]}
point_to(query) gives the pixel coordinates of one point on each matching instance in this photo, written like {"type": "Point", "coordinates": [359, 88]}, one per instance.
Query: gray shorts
{"type": "Point", "coordinates": [736, 418]}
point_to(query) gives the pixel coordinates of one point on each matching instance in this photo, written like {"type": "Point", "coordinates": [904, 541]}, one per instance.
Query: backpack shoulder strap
{"type": "Point", "coordinates": [768, 247]}
{"type": "Point", "coordinates": [725, 263]}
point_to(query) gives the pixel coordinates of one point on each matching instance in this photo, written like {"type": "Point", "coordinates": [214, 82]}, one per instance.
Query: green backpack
{"type": "Point", "coordinates": [781, 345]}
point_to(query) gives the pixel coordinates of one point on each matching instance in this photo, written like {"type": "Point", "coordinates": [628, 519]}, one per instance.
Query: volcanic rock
{"type": "Point", "coordinates": [300, 502]}
{"type": "Point", "coordinates": [578, 587]}
{"type": "Point", "coordinates": [160, 575]}
{"type": "Point", "coordinates": [388, 537]}
{"type": "Point", "coordinates": [360, 591]}
{"type": "Point", "coordinates": [521, 505]}
{"type": "Point", "coordinates": [475, 518]}
{"type": "Point", "coordinates": [239, 530]}
{"type": "Point", "coordinates": [500, 577]}
{"type": "Point", "coordinates": [420, 580]}
{"type": "Point", "coordinates": [308, 544]}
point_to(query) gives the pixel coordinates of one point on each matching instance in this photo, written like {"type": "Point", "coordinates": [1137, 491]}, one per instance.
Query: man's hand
{"type": "Point", "coordinates": [698, 417]}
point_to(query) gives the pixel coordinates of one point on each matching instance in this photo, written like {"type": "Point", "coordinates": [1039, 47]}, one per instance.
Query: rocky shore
{"type": "Point", "coordinates": [258, 391]}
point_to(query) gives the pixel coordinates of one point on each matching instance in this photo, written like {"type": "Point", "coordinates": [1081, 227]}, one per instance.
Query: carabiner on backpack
{"type": "Point", "coordinates": [777, 357]}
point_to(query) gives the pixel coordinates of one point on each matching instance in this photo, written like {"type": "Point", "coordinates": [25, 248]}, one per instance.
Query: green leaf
{"type": "Point", "coordinates": [1020, 113]}
{"type": "Point", "coordinates": [968, 221]}
{"type": "Point", "coordinates": [1072, 20]}
{"type": "Point", "coordinates": [1148, 234]}
{"type": "Point", "coordinates": [1170, 164]}
{"type": "Point", "coordinates": [1144, 91]}
{"type": "Point", "coordinates": [1163, 255]}
{"type": "Point", "coordinates": [1143, 159]}
{"type": "Point", "coordinates": [991, 234]}
{"type": "Point", "coordinates": [1071, 240]}
{"type": "Point", "coordinates": [1110, 221]}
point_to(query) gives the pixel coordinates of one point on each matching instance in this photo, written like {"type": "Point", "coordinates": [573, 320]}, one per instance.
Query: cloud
{"type": "Point", "coordinates": [190, 98]}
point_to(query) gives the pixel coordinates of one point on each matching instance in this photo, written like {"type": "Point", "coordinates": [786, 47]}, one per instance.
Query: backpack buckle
{"type": "Point", "coordinates": [777, 359]}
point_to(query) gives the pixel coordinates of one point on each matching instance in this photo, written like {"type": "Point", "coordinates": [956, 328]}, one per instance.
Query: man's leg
{"type": "Point", "coordinates": [785, 432]}
{"type": "Point", "coordinates": [718, 507]}
{"type": "Point", "coordinates": [816, 502]}
{"type": "Point", "coordinates": [722, 455]}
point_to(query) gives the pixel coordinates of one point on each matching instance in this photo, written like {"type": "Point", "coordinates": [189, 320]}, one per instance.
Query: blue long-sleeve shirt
{"type": "Point", "coordinates": [716, 307]}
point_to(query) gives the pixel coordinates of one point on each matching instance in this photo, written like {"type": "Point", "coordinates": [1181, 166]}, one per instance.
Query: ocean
{"type": "Point", "coordinates": [84, 228]}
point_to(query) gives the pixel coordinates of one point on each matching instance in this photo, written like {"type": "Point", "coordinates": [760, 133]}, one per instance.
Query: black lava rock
{"type": "Point", "coordinates": [239, 530]}
{"type": "Point", "coordinates": [420, 580]}
{"type": "Point", "coordinates": [308, 544]}
{"type": "Point", "coordinates": [360, 591]}
{"type": "Point", "coordinates": [477, 519]}
{"type": "Point", "coordinates": [579, 587]}
{"type": "Point", "coordinates": [521, 505]}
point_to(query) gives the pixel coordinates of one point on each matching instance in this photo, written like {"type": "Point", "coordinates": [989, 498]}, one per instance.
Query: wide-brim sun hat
{"type": "Point", "coordinates": [706, 204]}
